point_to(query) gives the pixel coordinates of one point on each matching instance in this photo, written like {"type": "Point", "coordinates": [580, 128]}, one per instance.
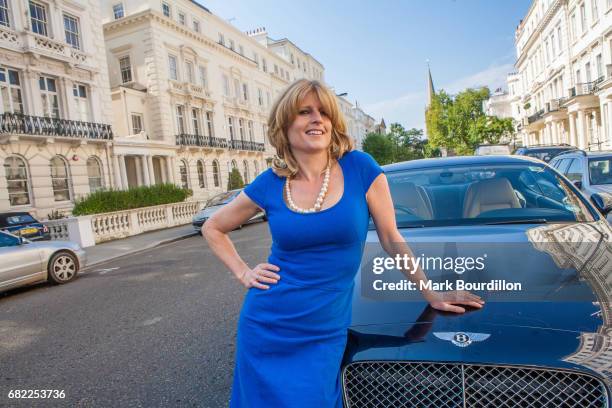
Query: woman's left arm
{"type": "Point", "coordinates": [380, 205]}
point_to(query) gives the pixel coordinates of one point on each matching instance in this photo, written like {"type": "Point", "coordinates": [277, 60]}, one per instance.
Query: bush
{"type": "Point", "coordinates": [118, 200]}
{"type": "Point", "coordinates": [235, 180]}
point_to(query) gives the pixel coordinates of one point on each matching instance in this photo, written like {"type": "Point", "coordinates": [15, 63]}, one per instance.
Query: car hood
{"type": "Point", "coordinates": [566, 321]}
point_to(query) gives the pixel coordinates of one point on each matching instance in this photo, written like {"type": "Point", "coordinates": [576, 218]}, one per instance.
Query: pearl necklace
{"type": "Point", "coordinates": [320, 197]}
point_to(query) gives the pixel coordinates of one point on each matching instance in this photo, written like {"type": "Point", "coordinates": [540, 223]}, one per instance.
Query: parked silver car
{"type": "Point", "coordinates": [215, 204]}
{"type": "Point", "coordinates": [24, 262]}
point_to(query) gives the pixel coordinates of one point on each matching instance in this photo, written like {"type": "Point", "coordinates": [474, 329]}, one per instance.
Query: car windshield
{"type": "Point", "coordinates": [600, 170]}
{"type": "Point", "coordinates": [222, 198]}
{"type": "Point", "coordinates": [494, 194]}
{"type": "Point", "coordinates": [543, 154]}
{"type": "Point", "coordinates": [16, 219]}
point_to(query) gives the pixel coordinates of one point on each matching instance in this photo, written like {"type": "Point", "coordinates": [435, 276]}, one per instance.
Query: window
{"type": "Point", "coordinates": [574, 172]}
{"type": "Point", "coordinates": [256, 168]}
{"type": "Point", "coordinates": [203, 77]}
{"type": "Point", "coordinates": [173, 72]}
{"type": "Point", "coordinates": [230, 127]}
{"type": "Point", "coordinates": [49, 96]}
{"type": "Point", "coordinates": [125, 66]}
{"type": "Point", "coordinates": [94, 174]}
{"type": "Point", "coordinates": [237, 88]}
{"type": "Point", "coordinates": [250, 127]}
{"type": "Point", "coordinates": [594, 11]}
{"type": "Point", "coordinates": [583, 21]}
{"type": "Point", "coordinates": [10, 91]}
{"type": "Point", "coordinates": [201, 174]}
{"type": "Point", "coordinates": [292, 59]}
{"type": "Point", "coordinates": [180, 119]}
{"type": "Point", "coordinates": [264, 65]}
{"type": "Point", "coordinates": [79, 92]}
{"type": "Point", "coordinates": [17, 180]}
{"type": "Point", "coordinates": [71, 29]}
{"type": "Point", "coordinates": [221, 39]}
{"type": "Point", "coordinates": [553, 44]}
{"type": "Point", "coordinates": [559, 39]}
{"type": "Point", "coordinates": [189, 72]}
{"type": "Point", "coordinates": [259, 96]}
{"type": "Point", "coordinates": [256, 59]}
{"type": "Point", "coordinates": [195, 120]}
{"type": "Point", "coordinates": [587, 69]}
{"type": "Point", "coordinates": [38, 18]}
{"type": "Point", "coordinates": [578, 77]}
{"type": "Point", "coordinates": [231, 44]}
{"type": "Point", "coordinates": [196, 26]}
{"type": "Point", "coordinates": [209, 124]}
{"type": "Point", "coordinates": [60, 179]}
{"type": "Point", "coordinates": [245, 164]}
{"type": "Point", "coordinates": [226, 86]}
{"type": "Point", "coordinates": [275, 69]}
{"type": "Point", "coordinates": [573, 23]}
{"type": "Point", "coordinates": [245, 92]}
{"type": "Point", "coordinates": [241, 128]}
{"type": "Point", "coordinates": [216, 180]}
{"type": "Point", "coordinates": [166, 9]}
{"type": "Point", "coordinates": [184, 174]}
{"type": "Point", "coordinates": [181, 18]}
{"type": "Point", "coordinates": [4, 13]}
{"type": "Point", "coordinates": [241, 49]}
{"type": "Point", "coordinates": [137, 123]}
{"type": "Point", "coordinates": [118, 11]}
{"type": "Point", "coordinates": [599, 66]}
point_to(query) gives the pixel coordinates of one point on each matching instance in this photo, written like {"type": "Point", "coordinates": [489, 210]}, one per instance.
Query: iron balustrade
{"type": "Point", "coordinates": [185, 139]}
{"type": "Point", "coordinates": [536, 116]}
{"type": "Point", "coordinates": [44, 126]}
{"type": "Point", "coordinates": [246, 145]}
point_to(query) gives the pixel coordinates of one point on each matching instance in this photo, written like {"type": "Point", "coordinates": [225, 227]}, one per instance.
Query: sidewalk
{"type": "Point", "coordinates": [121, 247]}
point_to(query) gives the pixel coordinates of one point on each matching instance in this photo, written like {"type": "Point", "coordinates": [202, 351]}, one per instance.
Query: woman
{"type": "Point", "coordinates": [318, 197]}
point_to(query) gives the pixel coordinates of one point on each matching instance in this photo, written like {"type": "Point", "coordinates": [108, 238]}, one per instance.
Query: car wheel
{"type": "Point", "coordinates": [63, 268]}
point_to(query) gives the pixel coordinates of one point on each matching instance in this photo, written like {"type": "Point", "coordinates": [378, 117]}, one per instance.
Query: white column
{"type": "Point", "coordinates": [555, 132]}
{"type": "Point", "coordinates": [170, 169]}
{"type": "Point", "coordinates": [581, 130]}
{"type": "Point", "coordinates": [548, 133]}
{"type": "Point", "coordinates": [117, 172]}
{"type": "Point", "coordinates": [139, 178]}
{"type": "Point", "coordinates": [573, 138]}
{"type": "Point", "coordinates": [150, 169]}
{"type": "Point", "coordinates": [124, 179]}
{"type": "Point", "coordinates": [145, 170]}
{"type": "Point", "coordinates": [598, 129]}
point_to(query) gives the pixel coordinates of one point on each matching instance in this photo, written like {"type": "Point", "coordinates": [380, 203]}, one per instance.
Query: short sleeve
{"type": "Point", "coordinates": [368, 168]}
{"type": "Point", "coordinates": [258, 188]}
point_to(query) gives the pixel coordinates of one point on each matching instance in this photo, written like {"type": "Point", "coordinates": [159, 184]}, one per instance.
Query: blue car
{"type": "Point", "coordinates": [514, 231]}
{"type": "Point", "coordinates": [24, 225]}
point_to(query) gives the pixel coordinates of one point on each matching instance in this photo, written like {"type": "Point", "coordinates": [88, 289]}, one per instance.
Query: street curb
{"type": "Point", "coordinates": [150, 246]}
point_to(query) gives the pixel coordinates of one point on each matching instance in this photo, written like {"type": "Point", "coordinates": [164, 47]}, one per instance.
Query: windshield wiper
{"type": "Point", "coordinates": [409, 225]}
{"type": "Point", "coordinates": [525, 221]}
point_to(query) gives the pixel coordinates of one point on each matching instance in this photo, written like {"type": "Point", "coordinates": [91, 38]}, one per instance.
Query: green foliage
{"type": "Point", "coordinates": [459, 123]}
{"type": "Point", "coordinates": [117, 200]}
{"type": "Point", "coordinates": [235, 180]}
{"type": "Point", "coordinates": [398, 145]}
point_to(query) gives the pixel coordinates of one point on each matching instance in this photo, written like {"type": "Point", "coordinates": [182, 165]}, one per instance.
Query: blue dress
{"type": "Point", "coordinates": [291, 337]}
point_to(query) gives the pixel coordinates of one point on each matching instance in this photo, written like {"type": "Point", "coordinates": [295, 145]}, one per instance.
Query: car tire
{"type": "Point", "coordinates": [63, 268]}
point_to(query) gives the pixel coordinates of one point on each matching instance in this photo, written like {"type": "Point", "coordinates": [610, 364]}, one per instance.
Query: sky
{"type": "Point", "coordinates": [377, 51]}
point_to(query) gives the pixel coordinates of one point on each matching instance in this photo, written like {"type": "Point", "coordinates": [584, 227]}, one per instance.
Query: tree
{"type": "Point", "coordinates": [459, 123]}
{"type": "Point", "coordinates": [380, 147]}
{"type": "Point", "coordinates": [398, 145]}
{"type": "Point", "coordinates": [235, 180]}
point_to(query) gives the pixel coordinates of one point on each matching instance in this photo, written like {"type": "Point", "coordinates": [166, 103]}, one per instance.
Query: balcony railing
{"type": "Point", "coordinates": [555, 104]}
{"type": "Point", "coordinates": [185, 139]}
{"type": "Point", "coordinates": [536, 116]}
{"type": "Point", "coordinates": [246, 145]}
{"type": "Point", "coordinates": [585, 88]}
{"type": "Point", "coordinates": [43, 126]}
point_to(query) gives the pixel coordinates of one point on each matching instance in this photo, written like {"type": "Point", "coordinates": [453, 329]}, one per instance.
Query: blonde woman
{"type": "Point", "coordinates": [318, 197]}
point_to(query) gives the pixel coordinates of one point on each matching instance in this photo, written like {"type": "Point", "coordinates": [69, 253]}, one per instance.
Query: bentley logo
{"type": "Point", "coordinates": [461, 339]}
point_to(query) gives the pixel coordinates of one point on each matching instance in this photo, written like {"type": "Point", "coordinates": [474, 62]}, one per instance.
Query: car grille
{"type": "Point", "coordinates": [406, 384]}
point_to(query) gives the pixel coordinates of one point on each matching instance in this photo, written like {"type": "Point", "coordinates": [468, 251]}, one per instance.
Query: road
{"type": "Point", "coordinates": [152, 329]}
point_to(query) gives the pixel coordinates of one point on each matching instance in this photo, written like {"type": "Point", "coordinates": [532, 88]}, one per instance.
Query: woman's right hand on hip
{"type": "Point", "coordinates": [260, 275]}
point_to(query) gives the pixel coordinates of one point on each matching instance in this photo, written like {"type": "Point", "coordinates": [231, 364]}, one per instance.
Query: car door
{"type": "Point", "coordinates": [19, 261]}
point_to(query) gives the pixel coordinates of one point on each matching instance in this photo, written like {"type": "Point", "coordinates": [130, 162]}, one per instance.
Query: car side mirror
{"type": "Point", "coordinates": [578, 184]}
{"type": "Point", "coordinates": [603, 202]}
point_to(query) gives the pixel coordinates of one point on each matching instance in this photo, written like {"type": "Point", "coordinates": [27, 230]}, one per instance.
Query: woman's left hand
{"type": "Point", "coordinates": [447, 301]}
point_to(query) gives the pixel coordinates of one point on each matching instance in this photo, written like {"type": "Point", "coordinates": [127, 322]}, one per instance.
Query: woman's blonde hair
{"type": "Point", "coordinates": [285, 110]}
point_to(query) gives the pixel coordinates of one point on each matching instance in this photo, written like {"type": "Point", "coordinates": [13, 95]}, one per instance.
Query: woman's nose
{"type": "Point", "coordinates": [316, 116]}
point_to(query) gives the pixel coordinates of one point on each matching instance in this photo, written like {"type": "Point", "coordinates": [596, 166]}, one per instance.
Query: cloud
{"type": "Point", "coordinates": [409, 109]}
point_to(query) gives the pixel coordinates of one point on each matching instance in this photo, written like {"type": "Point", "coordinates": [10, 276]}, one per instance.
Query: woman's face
{"type": "Point", "coordinates": [311, 129]}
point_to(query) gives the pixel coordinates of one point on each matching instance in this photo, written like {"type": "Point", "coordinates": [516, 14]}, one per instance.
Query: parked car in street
{"type": "Point", "coordinates": [25, 262]}
{"type": "Point", "coordinates": [24, 225]}
{"type": "Point", "coordinates": [543, 152]}
{"type": "Point", "coordinates": [215, 204]}
{"type": "Point", "coordinates": [546, 344]}
{"type": "Point", "coordinates": [492, 149]}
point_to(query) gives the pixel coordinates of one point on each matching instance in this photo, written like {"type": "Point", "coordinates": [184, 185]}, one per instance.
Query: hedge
{"type": "Point", "coordinates": [137, 197]}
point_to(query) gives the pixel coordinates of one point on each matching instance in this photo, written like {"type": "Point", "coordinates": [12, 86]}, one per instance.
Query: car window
{"type": "Point", "coordinates": [574, 172]}
{"type": "Point", "coordinates": [483, 194]}
{"type": "Point", "coordinates": [222, 198]}
{"type": "Point", "coordinates": [7, 240]}
{"type": "Point", "coordinates": [600, 170]}
{"type": "Point", "coordinates": [562, 165]}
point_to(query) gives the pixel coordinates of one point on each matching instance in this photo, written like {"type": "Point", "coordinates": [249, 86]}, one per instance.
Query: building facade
{"type": "Point", "coordinates": [562, 90]}
{"type": "Point", "coordinates": [55, 105]}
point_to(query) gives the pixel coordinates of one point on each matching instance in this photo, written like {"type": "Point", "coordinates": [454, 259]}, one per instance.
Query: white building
{"type": "Point", "coordinates": [55, 107]}
{"type": "Point", "coordinates": [498, 104]}
{"type": "Point", "coordinates": [562, 90]}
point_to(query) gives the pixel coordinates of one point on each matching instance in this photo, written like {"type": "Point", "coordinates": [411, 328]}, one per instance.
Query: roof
{"type": "Point", "coordinates": [461, 161]}
{"type": "Point", "coordinates": [200, 6]}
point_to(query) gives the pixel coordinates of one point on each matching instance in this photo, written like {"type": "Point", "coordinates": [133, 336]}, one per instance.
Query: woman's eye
{"type": "Point", "coordinates": [303, 112]}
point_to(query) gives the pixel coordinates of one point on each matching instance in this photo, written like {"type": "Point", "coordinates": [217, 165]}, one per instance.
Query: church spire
{"type": "Point", "coordinates": [430, 86]}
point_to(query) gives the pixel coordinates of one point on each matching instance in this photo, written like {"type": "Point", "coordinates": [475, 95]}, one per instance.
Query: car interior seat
{"type": "Point", "coordinates": [415, 198]}
{"type": "Point", "coordinates": [487, 195]}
